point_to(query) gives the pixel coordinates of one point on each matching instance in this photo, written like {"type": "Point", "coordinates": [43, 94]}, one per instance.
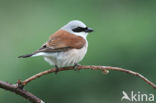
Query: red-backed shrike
{"type": "Point", "coordinates": [65, 47]}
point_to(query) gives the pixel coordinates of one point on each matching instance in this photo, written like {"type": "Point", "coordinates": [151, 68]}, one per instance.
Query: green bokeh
{"type": "Point", "coordinates": [125, 36]}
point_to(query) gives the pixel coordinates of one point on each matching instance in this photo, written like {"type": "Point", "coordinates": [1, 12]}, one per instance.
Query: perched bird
{"type": "Point", "coordinates": [66, 47]}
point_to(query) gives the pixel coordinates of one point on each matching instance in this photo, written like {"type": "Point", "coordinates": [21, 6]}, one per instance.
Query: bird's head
{"type": "Point", "coordinates": [78, 28]}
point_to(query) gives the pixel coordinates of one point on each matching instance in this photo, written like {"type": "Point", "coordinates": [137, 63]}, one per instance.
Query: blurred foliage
{"type": "Point", "coordinates": [125, 36]}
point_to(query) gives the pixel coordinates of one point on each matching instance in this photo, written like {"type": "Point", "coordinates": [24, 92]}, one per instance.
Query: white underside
{"type": "Point", "coordinates": [67, 58]}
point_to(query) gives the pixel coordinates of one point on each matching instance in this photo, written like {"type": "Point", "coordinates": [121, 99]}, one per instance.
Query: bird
{"type": "Point", "coordinates": [66, 47]}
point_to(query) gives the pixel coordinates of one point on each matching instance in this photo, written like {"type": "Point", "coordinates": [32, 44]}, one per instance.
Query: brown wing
{"type": "Point", "coordinates": [62, 41]}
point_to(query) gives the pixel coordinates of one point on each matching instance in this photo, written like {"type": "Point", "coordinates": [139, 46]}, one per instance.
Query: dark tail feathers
{"type": "Point", "coordinates": [25, 56]}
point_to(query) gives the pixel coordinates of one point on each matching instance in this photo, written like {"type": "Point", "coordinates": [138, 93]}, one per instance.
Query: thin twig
{"type": "Point", "coordinates": [103, 68]}
{"type": "Point", "coordinates": [25, 94]}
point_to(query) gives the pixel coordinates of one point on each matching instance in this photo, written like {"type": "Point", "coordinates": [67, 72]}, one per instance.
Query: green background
{"type": "Point", "coordinates": [125, 36]}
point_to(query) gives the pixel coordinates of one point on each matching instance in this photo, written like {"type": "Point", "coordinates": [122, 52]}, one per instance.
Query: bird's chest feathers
{"type": "Point", "coordinates": [72, 56]}
{"type": "Point", "coordinates": [74, 53]}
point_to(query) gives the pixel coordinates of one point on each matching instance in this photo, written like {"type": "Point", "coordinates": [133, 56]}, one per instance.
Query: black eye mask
{"type": "Point", "coordinates": [80, 29]}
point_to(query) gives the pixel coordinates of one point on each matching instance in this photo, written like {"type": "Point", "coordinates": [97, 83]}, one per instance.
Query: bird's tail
{"type": "Point", "coordinates": [26, 56]}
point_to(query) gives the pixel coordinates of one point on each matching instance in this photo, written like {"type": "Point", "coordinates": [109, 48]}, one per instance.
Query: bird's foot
{"type": "Point", "coordinates": [75, 66]}
{"type": "Point", "coordinates": [57, 69]}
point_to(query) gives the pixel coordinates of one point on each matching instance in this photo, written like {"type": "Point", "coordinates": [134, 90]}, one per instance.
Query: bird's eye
{"type": "Point", "coordinates": [79, 29]}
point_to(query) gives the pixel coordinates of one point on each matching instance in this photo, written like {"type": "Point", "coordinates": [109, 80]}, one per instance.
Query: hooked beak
{"type": "Point", "coordinates": [88, 30]}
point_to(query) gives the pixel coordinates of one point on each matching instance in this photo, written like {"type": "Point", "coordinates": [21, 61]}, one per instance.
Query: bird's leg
{"type": "Point", "coordinates": [57, 69]}
{"type": "Point", "coordinates": [75, 66]}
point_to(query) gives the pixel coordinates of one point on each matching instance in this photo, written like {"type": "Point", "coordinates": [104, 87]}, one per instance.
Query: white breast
{"type": "Point", "coordinates": [67, 58]}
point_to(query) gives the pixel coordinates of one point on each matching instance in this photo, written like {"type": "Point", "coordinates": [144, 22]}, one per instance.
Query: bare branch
{"type": "Point", "coordinates": [105, 69]}
{"type": "Point", "coordinates": [25, 94]}
{"type": "Point", "coordinates": [18, 88]}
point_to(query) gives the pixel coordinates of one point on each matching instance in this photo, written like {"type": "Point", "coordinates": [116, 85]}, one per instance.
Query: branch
{"type": "Point", "coordinates": [18, 88]}
{"type": "Point", "coordinates": [105, 69]}
{"type": "Point", "coordinates": [25, 94]}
